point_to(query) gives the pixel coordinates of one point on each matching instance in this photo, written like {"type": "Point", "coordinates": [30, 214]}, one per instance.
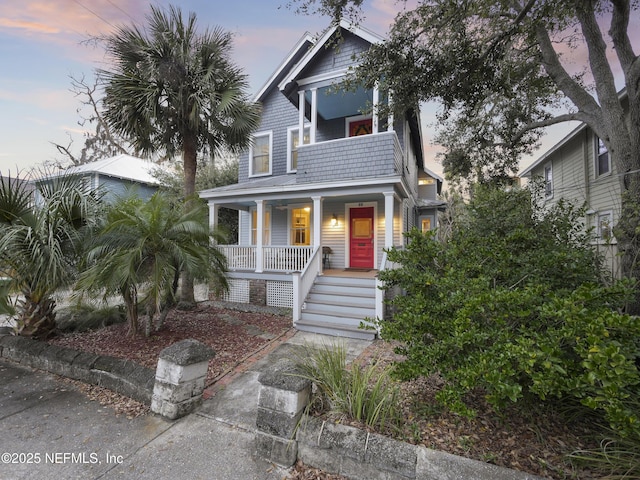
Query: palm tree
{"type": "Point", "coordinates": [174, 89]}
{"type": "Point", "coordinates": [140, 251]}
{"type": "Point", "coordinates": [40, 244]}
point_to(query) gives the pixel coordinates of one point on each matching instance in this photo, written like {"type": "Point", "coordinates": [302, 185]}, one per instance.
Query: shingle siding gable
{"type": "Point", "coordinates": [337, 57]}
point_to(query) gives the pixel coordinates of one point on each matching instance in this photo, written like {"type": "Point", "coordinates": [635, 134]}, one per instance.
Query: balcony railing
{"type": "Point", "coordinates": [275, 258]}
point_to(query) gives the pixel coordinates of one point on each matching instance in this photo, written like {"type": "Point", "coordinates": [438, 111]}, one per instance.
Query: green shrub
{"type": "Point", "coordinates": [514, 303]}
{"type": "Point", "coordinates": [366, 394]}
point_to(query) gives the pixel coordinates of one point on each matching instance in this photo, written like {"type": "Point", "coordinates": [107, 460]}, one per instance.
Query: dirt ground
{"type": "Point", "coordinates": [534, 442]}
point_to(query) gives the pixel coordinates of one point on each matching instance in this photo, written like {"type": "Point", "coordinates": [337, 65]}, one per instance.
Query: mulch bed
{"type": "Point", "coordinates": [232, 334]}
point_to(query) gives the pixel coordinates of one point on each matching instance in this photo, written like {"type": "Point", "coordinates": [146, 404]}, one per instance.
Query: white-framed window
{"type": "Point", "coordinates": [260, 154]}
{"type": "Point", "coordinates": [293, 140]}
{"type": "Point", "coordinates": [602, 158]}
{"type": "Point", "coordinates": [604, 226]}
{"type": "Point", "coordinates": [266, 236]}
{"type": "Point", "coordinates": [548, 181]}
{"type": "Point", "coordinates": [359, 125]}
{"type": "Point", "coordinates": [300, 226]}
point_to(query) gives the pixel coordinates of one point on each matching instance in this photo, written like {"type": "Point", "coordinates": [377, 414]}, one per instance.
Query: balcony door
{"type": "Point", "coordinates": [361, 238]}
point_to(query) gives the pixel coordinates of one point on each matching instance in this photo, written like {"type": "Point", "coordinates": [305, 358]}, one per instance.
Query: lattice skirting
{"type": "Point", "coordinates": [280, 294]}
{"type": "Point", "coordinates": [238, 291]}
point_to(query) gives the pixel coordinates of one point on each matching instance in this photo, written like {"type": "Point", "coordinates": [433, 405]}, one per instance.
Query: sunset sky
{"type": "Point", "coordinates": [43, 43]}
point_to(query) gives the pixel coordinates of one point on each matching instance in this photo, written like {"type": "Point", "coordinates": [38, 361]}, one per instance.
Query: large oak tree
{"type": "Point", "coordinates": [499, 70]}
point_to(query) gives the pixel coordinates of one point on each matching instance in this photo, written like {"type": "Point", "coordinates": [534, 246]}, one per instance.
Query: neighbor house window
{"type": "Point", "coordinates": [293, 140]}
{"type": "Point", "coordinates": [603, 160]}
{"type": "Point", "coordinates": [301, 226]}
{"type": "Point", "coordinates": [605, 226]}
{"type": "Point", "coordinates": [548, 181]}
{"type": "Point", "coordinates": [260, 154]}
{"type": "Point", "coordinates": [266, 236]}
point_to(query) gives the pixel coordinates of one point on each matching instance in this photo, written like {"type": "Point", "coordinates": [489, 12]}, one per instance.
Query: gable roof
{"type": "Point", "coordinates": [320, 44]}
{"type": "Point", "coordinates": [293, 57]}
{"type": "Point", "coordinates": [527, 171]}
{"type": "Point", "coordinates": [304, 52]}
{"type": "Point", "coordinates": [121, 166]}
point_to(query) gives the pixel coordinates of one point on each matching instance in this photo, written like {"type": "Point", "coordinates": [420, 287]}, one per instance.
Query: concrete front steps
{"type": "Point", "coordinates": [338, 305]}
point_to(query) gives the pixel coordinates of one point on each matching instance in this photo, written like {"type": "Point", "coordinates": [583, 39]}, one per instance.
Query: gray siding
{"type": "Point", "coordinates": [347, 159]}
{"type": "Point", "coordinates": [337, 57]}
{"type": "Point", "coordinates": [117, 187]}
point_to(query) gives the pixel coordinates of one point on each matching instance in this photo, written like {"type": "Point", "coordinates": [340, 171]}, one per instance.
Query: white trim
{"type": "Point", "coordinates": [599, 216]}
{"type": "Point", "coordinates": [267, 227]}
{"type": "Point", "coordinates": [347, 230]}
{"type": "Point", "coordinates": [295, 206]}
{"type": "Point", "coordinates": [256, 135]}
{"type": "Point", "coordinates": [328, 77]}
{"type": "Point", "coordinates": [356, 187]}
{"type": "Point", "coordinates": [306, 38]}
{"type": "Point", "coordinates": [320, 45]}
{"type": "Point", "coordinates": [596, 158]}
{"type": "Point", "coordinates": [549, 195]}
{"type": "Point", "coordinates": [570, 136]}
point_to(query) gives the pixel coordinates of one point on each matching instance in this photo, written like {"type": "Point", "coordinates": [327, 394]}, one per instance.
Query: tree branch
{"type": "Point", "coordinates": [567, 117]}
{"type": "Point", "coordinates": [559, 75]}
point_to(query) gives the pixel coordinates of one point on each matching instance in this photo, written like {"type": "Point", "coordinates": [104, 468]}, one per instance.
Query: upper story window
{"type": "Point", "coordinates": [293, 140]}
{"type": "Point", "coordinates": [548, 181]}
{"type": "Point", "coordinates": [359, 125]}
{"type": "Point", "coordinates": [603, 160]}
{"type": "Point", "coordinates": [260, 154]}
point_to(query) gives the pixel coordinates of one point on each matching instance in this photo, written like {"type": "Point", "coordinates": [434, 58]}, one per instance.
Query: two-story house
{"type": "Point", "coordinates": [326, 186]}
{"type": "Point", "coordinates": [579, 169]}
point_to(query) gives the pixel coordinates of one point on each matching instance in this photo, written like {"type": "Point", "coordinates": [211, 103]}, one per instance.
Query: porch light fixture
{"type": "Point", "coordinates": [334, 220]}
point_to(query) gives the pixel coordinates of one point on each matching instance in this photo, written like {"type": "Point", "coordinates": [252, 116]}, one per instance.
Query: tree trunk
{"type": "Point", "coordinates": [627, 233]}
{"type": "Point", "coordinates": [187, 297]}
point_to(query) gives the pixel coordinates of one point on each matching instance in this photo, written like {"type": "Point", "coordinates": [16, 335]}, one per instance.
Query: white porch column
{"type": "Point", "coordinates": [314, 115]}
{"type": "Point", "coordinates": [389, 198]}
{"type": "Point", "coordinates": [390, 118]}
{"type": "Point", "coordinates": [213, 214]}
{"type": "Point", "coordinates": [301, 109]}
{"type": "Point", "coordinates": [317, 221]}
{"type": "Point", "coordinates": [259, 236]}
{"type": "Point", "coordinates": [374, 114]}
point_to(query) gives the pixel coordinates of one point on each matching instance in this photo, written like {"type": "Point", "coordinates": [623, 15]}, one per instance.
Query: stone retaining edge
{"type": "Point", "coordinates": [357, 454]}
{"type": "Point", "coordinates": [122, 376]}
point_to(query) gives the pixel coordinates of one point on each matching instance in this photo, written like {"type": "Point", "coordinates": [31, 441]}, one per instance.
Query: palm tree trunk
{"type": "Point", "coordinates": [189, 159]}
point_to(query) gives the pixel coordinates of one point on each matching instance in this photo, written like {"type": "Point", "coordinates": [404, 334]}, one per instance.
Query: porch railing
{"type": "Point", "coordinates": [303, 281]}
{"type": "Point", "coordinates": [286, 259]}
{"type": "Point", "coordinates": [385, 264]}
{"type": "Point", "coordinates": [239, 257]}
{"type": "Point", "coordinates": [275, 258]}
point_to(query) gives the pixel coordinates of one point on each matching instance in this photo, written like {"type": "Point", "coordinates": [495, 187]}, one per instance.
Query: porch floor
{"type": "Point", "coordinates": [349, 272]}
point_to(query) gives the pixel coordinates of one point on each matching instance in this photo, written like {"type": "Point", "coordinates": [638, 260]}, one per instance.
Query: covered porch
{"type": "Point", "coordinates": [347, 232]}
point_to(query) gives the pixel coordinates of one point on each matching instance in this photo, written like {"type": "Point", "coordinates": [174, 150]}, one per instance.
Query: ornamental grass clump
{"type": "Point", "coordinates": [362, 393]}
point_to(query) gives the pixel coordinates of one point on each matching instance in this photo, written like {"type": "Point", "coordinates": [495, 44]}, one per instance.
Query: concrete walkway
{"type": "Point", "coordinates": [49, 430]}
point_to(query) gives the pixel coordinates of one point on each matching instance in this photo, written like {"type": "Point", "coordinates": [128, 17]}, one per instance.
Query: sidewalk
{"type": "Point", "coordinates": [50, 430]}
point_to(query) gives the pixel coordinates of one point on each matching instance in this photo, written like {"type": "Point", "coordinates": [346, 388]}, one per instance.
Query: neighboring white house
{"type": "Point", "coordinates": [324, 189]}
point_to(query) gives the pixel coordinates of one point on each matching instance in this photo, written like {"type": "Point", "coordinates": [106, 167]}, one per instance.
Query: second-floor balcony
{"type": "Point", "coordinates": [374, 155]}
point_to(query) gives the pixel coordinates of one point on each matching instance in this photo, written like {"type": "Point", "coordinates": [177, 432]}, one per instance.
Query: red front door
{"type": "Point", "coordinates": [361, 237]}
